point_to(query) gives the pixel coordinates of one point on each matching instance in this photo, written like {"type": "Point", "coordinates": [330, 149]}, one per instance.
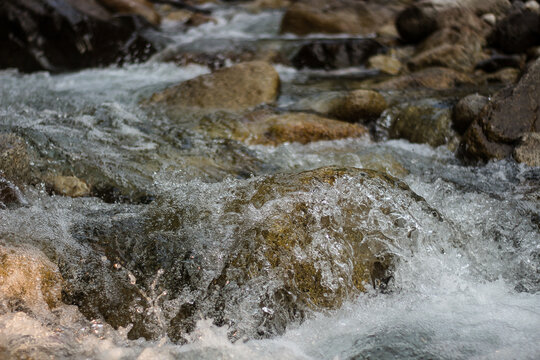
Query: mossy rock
{"type": "Point", "coordinates": [424, 124]}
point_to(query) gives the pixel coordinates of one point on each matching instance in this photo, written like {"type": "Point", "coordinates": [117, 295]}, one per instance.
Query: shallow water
{"type": "Point", "coordinates": [467, 288]}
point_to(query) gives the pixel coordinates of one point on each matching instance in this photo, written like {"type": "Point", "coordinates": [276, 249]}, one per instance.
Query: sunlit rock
{"type": "Point", "coordinates": [273, 129]}
{"type": "Point", "coordinates": [359, 106]}
{"type": "Point", "coordinates": [143, 8]}
{"type": "Point", "coordinates": [234, 88]}
{"type": "Point", "coordinates": [29, 278]}
{"type": "Point", "coordinates": [528, 151]}
{"type": "Point", "coordinates": [437, 78]}
{"type": "Point", "coordinates": [69, 186]}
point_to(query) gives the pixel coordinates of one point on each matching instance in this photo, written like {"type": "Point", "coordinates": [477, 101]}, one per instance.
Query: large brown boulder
{"type": "Point", "coordinates": [238, 87]}
{"type": "Point", "coordinates": [336, 16]}
{"type": "Point", "coordinates": [68, 34]}
{"type": "Point", "coordinates": [512, 113]}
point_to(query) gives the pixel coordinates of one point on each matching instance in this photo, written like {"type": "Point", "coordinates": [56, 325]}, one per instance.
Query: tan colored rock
{"type": "Point", "coordinates": [70, 186]}
{"type": "Point", "coordinates": [26, 274]}
{"type": "Point", "coordinates": [259, 5]}
{"type": "Point", "coordinates": [453, 56]}
{"type": "Point", "coordinates": [528, 152]}
{"type": "Point", "coordinates": [303, 128]}
{"type": "Point", "coordinates": [386, 64]}
{"type": "Point", "coordinates": [143, 8]}
{"type": "Point", "coordinates": [238, 87]}
{"type": "Point", "coordinates": [359, 106]}
{"type": "Point", "coordinates": [14, 160]}
{"type": "Point", "coordinates": [437, 78]}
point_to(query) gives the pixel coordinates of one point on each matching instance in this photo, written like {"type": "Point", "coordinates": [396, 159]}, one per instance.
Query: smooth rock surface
{"type": "Point", "coordinates": [467, 110]}
{"type": "Point", "coordinates": [359, 106]}
{"type": "Point", "coordinates": [238, 87]}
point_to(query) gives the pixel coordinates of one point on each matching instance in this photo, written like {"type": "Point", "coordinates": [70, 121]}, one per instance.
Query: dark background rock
{"type": "Point", "coordinates": [335, 53]}
{"type": "Point", "coordinates": [69, 34]}
{"type": "Point", "coordinates": [518, 31]}
{"type": "Point", "coordinates": [414, 24]}
{"type": "Point", "coordinates": [498, 62]}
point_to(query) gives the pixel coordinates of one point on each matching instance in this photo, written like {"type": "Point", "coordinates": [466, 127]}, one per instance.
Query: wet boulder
{"type": "Point", "coordinates": [266, 128]}
{"type": "Point", "coordinates": [423, 124]}
{"type": "Point", "coordinates": [68, 34]}
{"type": "Point", "coordinates": [358, 106]}
{"type": "Point", "coordinates": [14, 159]}
{"type": "Point", "coordinates": [238, 87]}
{"type": "Point", "coordinates": [511, 113]}
{"type": "Point", "coordinates": [28, 279]}
{"type": "Point", "coordinates": [10, 194]}
{"type": "Point", "coordinates": [287, 245]}
{"type": "Point", "coordinates": [467, 110]}
{"type": "Point", "coordinates": [335, 53]}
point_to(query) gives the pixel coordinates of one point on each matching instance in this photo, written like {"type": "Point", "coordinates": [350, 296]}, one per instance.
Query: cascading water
{"type": "Point", "coordinates": [211, 248]}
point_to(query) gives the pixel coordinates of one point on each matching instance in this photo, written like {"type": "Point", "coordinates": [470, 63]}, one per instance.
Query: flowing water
{"type": "Point", "coordinates": [466, 276]}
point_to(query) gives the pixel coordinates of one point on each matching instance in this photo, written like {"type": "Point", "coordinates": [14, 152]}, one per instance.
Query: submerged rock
{"type": "Point", "coordinates": [68, 34]}
{"type": "Point", "coordinates": [69, 186]}
{"type": "Point", "coordinates": [28, 279]}
{"type": "Point", "coordinates": [255, 255]}
{"type": "Point", "coordinates": [14, 159]}
{"type": "Point", "coordinates": [238, 87]}
{"type": "Point", "coordinates": [512, 113]}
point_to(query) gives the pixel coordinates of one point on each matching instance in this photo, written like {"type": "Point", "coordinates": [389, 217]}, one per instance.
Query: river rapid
{"type": "Point", "coordinates": [464, 287]}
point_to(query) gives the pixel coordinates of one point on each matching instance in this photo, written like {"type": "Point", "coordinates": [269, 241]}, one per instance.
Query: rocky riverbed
{"type": "Point", "coordinates": [259, 179]}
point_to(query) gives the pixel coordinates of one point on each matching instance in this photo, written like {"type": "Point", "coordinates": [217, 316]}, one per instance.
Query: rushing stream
{"type": "Point", "coordinates": [178, 205]}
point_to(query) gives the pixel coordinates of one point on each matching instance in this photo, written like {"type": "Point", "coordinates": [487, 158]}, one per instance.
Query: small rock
{"type": "Point", "coordinates": [467, 110]}
{"type": "Point", "coordinates": [532, 5]}
{"type": "Point", "coordinates": [424, 125]}
{"type": "Point", "coordinates": [385, 64]}
{"type": "Point", "coordinates": [490, 19]}
{"type": "Point", "coordinates": [516, 32]}
{"type": "Point", "coordinates": [10, 194]}
{"type": "Point", "coordinates": [335, 53]}
{"type": "Point", "coordinates": [14, 160]}
{"type": "Point", "coordinates": [359, 106]}
{"type": "Point", "coordinates": [453, 56]}
{"type": "Point", "coordinates": [70, 186]}
{"type": "Point", "coordinates": [27, 275]}
{"type": "Point", "coordinates": [238, 87]}
{"type": "Point", "coordinates": [528, 152]}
